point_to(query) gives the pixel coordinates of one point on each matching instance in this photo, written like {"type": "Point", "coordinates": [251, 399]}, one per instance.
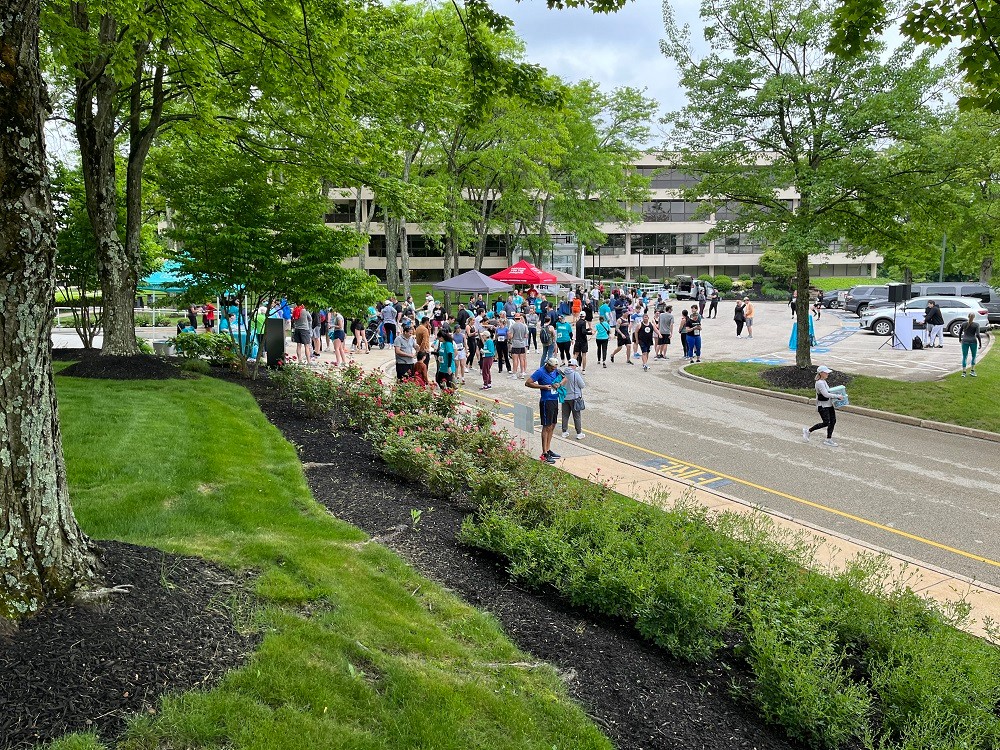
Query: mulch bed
{"type": "Point", "coordinates": [136, 367]}
{"type": "Point", "coordinates": [641, 697]}
{"type": "Point", "coordinates": [797, 377]}
{"type": "Point", "coordinates": [86, 667]}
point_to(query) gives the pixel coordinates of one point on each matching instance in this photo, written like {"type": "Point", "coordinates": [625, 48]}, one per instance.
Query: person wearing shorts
{"type": "Point", "coordinates": [665, 325]}
{"type": "Point", "coordinates": [624, 339]}
{"type": "Point", "coordinates": [546, 379]}
{"type": "Point", "coordinates": [518, 333]}
{"type": "Point", "coordinates": [339, 337]}
{"type": "Point", "coordinates": [406, 352]}
{"type": "Point", "coordinates": [302, 334]}
{"type": "Point", "coordinates": [644, 336]}
{"type": "Point", "coordinates": [581, 344]}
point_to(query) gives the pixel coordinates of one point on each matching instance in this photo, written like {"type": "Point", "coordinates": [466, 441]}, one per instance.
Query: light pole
{"type": "Point", "coordinates": [944, 249]}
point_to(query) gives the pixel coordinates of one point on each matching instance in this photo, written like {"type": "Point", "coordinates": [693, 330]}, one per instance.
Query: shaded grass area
{"type": "Point", "coordinates": [962, 401]}
{"type": "Point", "coordinates": [829, 283]}
{"type": "Point", "coordinates": [359, 651]}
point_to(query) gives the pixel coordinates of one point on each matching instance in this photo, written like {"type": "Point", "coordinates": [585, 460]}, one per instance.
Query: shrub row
{"type": "Point", "coordinates": [854, 659]}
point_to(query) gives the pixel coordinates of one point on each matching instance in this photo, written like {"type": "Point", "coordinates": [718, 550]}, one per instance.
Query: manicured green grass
{"type": "Point", "coordinates": [829, 283]}
{"type": "Point", "coordinates": [359, 650]}
{"type": "Point", "coordinates": [963, 401]}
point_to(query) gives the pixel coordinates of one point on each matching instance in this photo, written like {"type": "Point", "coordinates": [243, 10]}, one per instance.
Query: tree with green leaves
{"type": "Point", "coordinates": [771, 114]}
{"type": "Point", "coordinates": [969, 25]}
{"type": "Point", "coordinates": [43, 553]}
{"type": "Point", "coordinates": [253, 234]}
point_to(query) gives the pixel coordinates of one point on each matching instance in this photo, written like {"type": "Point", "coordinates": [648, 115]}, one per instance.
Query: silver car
{"type": "Point", "coordinates": [954, 310]}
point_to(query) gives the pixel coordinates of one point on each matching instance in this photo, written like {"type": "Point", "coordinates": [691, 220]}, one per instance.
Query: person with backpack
{"type": "Point", "coordinates": [547, 338]}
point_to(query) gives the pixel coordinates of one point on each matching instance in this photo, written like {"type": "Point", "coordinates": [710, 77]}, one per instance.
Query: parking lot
{"type": "Point", "coordinates": [841, 344]}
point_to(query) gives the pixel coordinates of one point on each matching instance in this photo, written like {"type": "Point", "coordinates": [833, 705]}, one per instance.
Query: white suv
{"type": "Point", "coordinates": [954, 310]}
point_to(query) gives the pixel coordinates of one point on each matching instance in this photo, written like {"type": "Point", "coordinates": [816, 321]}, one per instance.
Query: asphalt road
{"type": "Point", "coordinates": [931, 496]}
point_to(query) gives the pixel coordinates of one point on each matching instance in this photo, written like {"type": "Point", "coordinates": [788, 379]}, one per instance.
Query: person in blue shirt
{"type": "Point", "coordinates": [546, 379]}
{"type": "Point", "coordinates": [518, 300]}
{"type": "Point", "coordinates": [602, 332]}
{"type": "Point", "coordinates": [444, 351]}
{"type": "Point", "coordinates": [564, 337]}
{"type": "Point", "coordinates": [498, 306]}
{"type": "Point", "coordinates": [565, 308]}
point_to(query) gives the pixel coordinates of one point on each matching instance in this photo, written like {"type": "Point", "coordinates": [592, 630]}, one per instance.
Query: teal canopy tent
{"type": "Point", "coordinates": [167, 280]}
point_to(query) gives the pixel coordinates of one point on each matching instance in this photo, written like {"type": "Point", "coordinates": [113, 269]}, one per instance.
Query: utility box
{"type": "Point", "coordinates": [524, 418]}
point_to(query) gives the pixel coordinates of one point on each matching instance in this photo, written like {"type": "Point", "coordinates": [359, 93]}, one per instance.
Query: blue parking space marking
{"type": "Point", "coordinates": [764, 361]}
{"type": "Point", "coordinates": [681, 470]}
{"type": "Point", "coordinates": [836, 336]}
{"type": "Point", "coordinates": [819, 349]}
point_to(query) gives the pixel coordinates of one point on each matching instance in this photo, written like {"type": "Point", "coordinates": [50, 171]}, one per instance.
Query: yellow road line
{"type": "Point", "coordinates": [785, 495]}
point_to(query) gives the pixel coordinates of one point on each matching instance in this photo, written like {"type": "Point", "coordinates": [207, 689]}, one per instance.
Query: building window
{"type": "Point", "coordinates": [341, 212]}
{"type": "Point", "coordinates": [667, 178]}
{"type": "Point", "coordinates": [740, 244]}
{"type": "Point", "coordinates": [669, 243]}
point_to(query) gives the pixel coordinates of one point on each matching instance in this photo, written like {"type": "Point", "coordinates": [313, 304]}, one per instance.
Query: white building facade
{"type": "Point", "coordinates": [667, 241]}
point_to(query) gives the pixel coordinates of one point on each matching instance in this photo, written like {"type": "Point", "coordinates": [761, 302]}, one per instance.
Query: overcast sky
{"type": "Point", "coordinates": [617, 49]}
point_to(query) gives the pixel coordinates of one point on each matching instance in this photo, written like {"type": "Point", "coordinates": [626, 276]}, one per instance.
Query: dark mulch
{"type": "Point", "coordinates": [799, 377]}
{"type": "Point", "coordinates": [641, 696]}
{"type": "Point", "coordinates": [86, 667]}
{"type": "Point", "coordinates": [72, 355]}
{"type": "Point", "coordinates": [136, 367]}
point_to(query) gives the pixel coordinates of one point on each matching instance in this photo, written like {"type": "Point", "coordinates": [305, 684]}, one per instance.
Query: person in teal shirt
{"type": "Point", "coordinates": [602, 332]}
{"type": "Point", "coordinates": [564, 336]}
{"type": "Point", "coordinates": [605, 311]}
{"type": "Point", "coordinates": [445, 352]}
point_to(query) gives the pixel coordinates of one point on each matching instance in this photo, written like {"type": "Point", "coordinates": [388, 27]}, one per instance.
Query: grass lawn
{"type": "Point", "coordinates": [962, 401]}
{"type": "Point", "coordinates": [359, 650]}
{"type": "Point", "coordinates": [829, 283]}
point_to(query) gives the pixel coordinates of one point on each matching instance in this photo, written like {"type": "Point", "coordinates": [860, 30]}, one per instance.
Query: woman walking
{"type": "Point", "coordinates": [683, 328]}
{"type": "Point", "coordinates": [740, 318]}
{"type": "Point", "coordinates": [624, 338]}
{"type": "Point", "coordinates": [532, 320]}
{"type": "Point", "coordinates": [602, 332]}
{"type": "Point", "coordinates": [824, 404]}
{"type": "Point", "coordinates": [573, 403]}
{"type": "Point", "coordinates": [489, 351]}
{"type": "Point", "coordinates": [969, 336]}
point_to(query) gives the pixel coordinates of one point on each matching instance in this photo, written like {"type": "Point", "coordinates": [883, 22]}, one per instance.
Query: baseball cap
{"type": "Point", "coordinates": [823, 368]}
{"type": "Point", "coordinates": [554, 362]}
{"type": "Point", "coordinates": [573, 363]}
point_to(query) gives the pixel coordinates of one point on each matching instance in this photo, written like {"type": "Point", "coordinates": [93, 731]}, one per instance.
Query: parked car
{"type": "Point", "coordinates": [993, 306]}
{"type": "Point", "coordinates": [954, 310]}
{"type": "Point", "coordinates": [860, 297]}
{"type": "Point", "coordinates": [989, 296]}
{"type": "Point", "coordinates": [688, 287]}
{"type": "Point", "coordinates": [834, 298]}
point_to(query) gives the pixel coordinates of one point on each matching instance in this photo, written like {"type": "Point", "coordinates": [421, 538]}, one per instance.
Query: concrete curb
{"type": "Point", "coordinates": [888, 416]}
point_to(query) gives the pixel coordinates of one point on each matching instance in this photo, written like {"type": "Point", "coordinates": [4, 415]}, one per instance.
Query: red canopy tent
{"type": "Point", "coordinates": [525, 273]}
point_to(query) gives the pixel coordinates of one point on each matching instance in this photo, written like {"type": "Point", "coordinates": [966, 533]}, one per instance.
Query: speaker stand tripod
{"type": "Point", "coordinates": [893, 339]}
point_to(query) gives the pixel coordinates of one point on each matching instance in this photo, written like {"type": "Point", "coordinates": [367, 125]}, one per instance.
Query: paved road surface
{"type": "Point", "coordinates": [942, 489]}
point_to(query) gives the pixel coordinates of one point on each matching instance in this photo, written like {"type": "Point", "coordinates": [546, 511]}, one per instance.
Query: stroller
{"type": "Point", "coordinates": [373, 334]}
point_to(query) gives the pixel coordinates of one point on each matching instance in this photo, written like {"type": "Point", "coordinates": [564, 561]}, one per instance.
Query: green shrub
{"type": "Point", "coordinates": [198, 366]}
{"type": "Point", "coordinates": [723, 283]}
{"type": "Point", "coordinates": [315, 393]}
{"type": "Point", "coordinates": [144, 346]}
{"type": "Point", "coordinates": [706, 277]}
{"type": "Point", "coordinates": [800, 679]}
{"type": "Point", "coordinates": [642, 279]}
{"type": "Point", "coordinates": [217, 348]}
{"type": "Point", "coordinates": [746, 277]}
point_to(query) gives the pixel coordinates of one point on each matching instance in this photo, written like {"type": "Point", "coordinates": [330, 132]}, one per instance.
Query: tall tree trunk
{"type": "Point", "coordinates": [391, 250]}
{"type": "Point", "coordinates": [43, 552]}
{"type": "Point", "coordinates": [404, 256]}
{"type": "Point", "coordinates": [95, 116]}
{"type": "Point", "coordinates": [986, 270]}
{"type": "Point", "coordinates": [361, 228]}
{"type": "Point", "coordinates": [803, 355]}
{"type": "Point", "coordinates": [907, 275]}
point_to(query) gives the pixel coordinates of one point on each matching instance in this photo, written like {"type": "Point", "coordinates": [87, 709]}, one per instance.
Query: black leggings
{"type": "Point", "coordinates": [503, 357]}
{"type": "Point", "coordinates": [829, 416]}
{"type": "Point", "coordinates": [602, 349]}
{"type": "Point", "coordinates": [532, 338]}
{"type": "Point", "coordinates": [473, 346]}
{"type": "Point", "coordinates": [739, 327]}
{"type": "Point", "coordinates": [564, 350]}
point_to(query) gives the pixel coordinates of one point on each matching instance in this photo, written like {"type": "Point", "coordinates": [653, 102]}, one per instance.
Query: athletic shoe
{"type": "Point", "coordinates": [630, 362]}
{"type": "Point", "coordinates": [565, 434]}
{"type": "Point", "coordinates": [485, 388]}
{"type": "Point", "coordinates": [580, 436]}
{"type": "Point", "coordinates": [605, 365]}
{"type": "Point", "coordinates": [805, 434]}
{"type": "Point", "coordinates": [546, 459]}
{"type": "Point", "coordinates": [830, 442]}
{"type": "Point", "coordinates": [645, 367]}
{"type": "Point", "coordinates": [698, 360]}
{"type": "Point", "coordinates": [973, 373]}
{"type": "Point", "coordinates": [749, 337]}
{"type": "Point", "coordinates": [553, 454]}
{"type": "Point", "coordinates": [489, 387]}
{"type": "Point", "coordinates": [963, 373]}
{"type": "Point", "coordinates": [612, 358]}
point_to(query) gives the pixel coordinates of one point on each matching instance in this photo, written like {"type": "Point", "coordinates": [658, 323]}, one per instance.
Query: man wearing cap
{"type": "Point", "coordinates": [546, 379]}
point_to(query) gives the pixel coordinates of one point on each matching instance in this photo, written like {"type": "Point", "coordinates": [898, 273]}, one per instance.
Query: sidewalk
{"type": "Point", "coordinates": [649, 485]}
